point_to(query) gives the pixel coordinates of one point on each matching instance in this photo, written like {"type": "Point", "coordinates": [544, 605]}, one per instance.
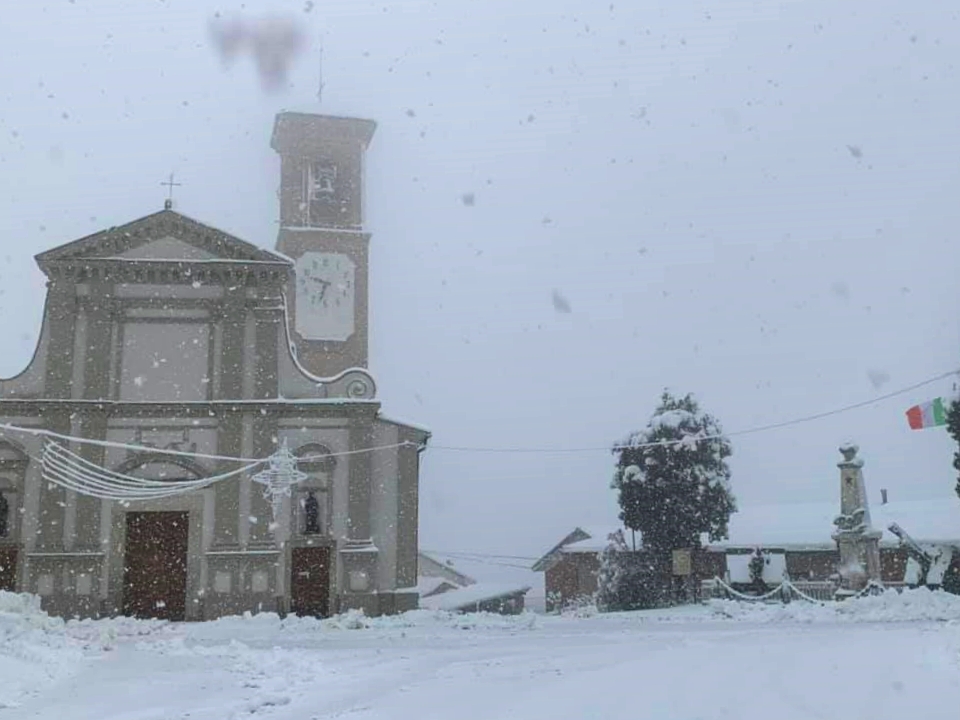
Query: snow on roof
{"type": "Point", "coordinates": [581, 539]}
{"type": "Point", "coordinates": [811, 524]}
{"type": "Point", "coordinates": [429, 585]}
{"type": "Point", "coordinates": [433, 567]}
{"type": "Point", "coordinates": [470, 596]}
{"type": "Point", "coordinates": [598, 540]}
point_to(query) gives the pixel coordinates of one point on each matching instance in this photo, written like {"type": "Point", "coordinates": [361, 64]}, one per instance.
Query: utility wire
{"type": "Point", "coordinates": [488, 562]}
{"type": "Point", "coordinates": [463, 448]}
{"type": "Point", "coordinates": [485, 556]}
{"type": "Point", "coordinates": [735, 433]}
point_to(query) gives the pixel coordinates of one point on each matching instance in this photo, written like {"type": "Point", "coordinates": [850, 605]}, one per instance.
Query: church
{"type": "Point", "coordinates": [171, 351]}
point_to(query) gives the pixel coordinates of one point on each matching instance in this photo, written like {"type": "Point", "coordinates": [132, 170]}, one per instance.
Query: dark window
{"type": "Point", "coordinates": [311, 514]}
{"type": "Point", "coordinates": [4, 517]}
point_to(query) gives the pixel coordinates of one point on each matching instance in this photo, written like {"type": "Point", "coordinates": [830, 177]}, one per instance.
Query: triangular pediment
{"type": "Point", "coordinates": [166, 235]}
{"type": "Point", "coordinates": [168, 248]}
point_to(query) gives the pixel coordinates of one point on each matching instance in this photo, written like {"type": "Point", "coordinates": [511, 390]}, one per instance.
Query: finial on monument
{"type": "Point", "coordinates": [849, 451]}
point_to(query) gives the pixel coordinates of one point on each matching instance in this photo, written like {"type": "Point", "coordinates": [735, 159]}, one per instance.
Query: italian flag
{"type": "Point", "coordinates": [928, 414]}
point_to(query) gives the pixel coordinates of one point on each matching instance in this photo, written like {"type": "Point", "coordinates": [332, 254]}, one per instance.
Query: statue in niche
{"type": "Point", "coordinates": [4, 517]}
{"type": "Point", "coordinates": [311, 514]}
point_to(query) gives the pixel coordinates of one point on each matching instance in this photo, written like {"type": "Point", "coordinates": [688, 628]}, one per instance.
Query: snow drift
{"type": "Point", "coordinates": [891, 606]}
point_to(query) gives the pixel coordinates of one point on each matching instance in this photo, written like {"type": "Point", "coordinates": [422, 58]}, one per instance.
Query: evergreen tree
{"type": "Point", "coordinates": [626, 579]}
{"type": "Point", "coordinates": [673, 481]}
{"type": "Point", "coordinates": [953, 427]}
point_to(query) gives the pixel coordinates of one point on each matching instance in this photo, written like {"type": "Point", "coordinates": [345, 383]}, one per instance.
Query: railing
{"type": "Point", "coordinates": [808, 590]}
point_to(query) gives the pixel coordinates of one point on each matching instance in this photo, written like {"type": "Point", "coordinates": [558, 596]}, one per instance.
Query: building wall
{"type": "Point", "coordinates": [820, 564]}
{"type": "Point", "coordinates": [572, 578]}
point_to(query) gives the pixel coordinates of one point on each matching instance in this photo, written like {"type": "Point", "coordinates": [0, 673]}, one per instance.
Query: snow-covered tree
{"type": "Point", "coordinates": [672, 479]}
{"type": "Point", "coordinates": [609, 577]}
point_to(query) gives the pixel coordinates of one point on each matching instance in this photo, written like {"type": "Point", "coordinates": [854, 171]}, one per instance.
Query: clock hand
{"type": "Point", "coordinates": [323, 287]}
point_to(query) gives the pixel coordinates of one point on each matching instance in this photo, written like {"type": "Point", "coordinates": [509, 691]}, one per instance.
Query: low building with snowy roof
{"type": "Point", "coordinates": [501, 598]}
{"type": "Point", "coordinates": [570, 567]}
{"type": "Point", "coordinates": [436, 577]}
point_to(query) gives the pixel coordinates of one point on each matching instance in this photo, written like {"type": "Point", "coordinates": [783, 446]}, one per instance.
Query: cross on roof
{"type": "Point", "coordinates": [170, 184]}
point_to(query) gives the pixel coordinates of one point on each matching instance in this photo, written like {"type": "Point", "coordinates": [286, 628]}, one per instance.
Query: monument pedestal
{"type": "Point", "coordinates": [857, 541]}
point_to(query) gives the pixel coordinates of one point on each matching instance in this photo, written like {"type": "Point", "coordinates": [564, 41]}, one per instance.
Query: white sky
{"type": "Point", "coordinates": [752, 201]}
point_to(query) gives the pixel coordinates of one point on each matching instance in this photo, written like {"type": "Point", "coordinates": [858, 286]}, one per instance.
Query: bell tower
{"type": "Point", "coordinates": [322, 231]}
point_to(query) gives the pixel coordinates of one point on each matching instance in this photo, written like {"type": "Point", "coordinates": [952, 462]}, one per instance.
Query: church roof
{"type": "Point", "coordinates": [163, 236]}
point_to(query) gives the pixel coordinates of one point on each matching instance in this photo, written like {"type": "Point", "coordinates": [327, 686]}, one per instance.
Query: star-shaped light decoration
{"type": "Point", "coordinates": [280, 475]}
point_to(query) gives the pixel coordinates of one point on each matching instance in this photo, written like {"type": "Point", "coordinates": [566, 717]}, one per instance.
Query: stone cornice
{"type": "Point", "coordinates": [333, 407]}
{"type": "Point", "coordinates": [167, 272]}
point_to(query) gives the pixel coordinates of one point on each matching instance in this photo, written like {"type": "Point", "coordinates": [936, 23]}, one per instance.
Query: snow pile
{"type": "Point", "coordinates": [891, 606]}
{"type": "Point", "coordinates": [104, 634]}
{"type": "Point", "coordinates": [425, 619]}
{"type": "Point", "coordinates": [350, 620]}
{"type": "Point", "coordinates": [34, 648]}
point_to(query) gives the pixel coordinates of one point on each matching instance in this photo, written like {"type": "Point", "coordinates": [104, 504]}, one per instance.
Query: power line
{"type": "Point", "coordinates": [697, 438]}
{"type": "Point", "coordinates": [487, 562]}
{"type": "Point", "coordinates": [847, 408]}
{"type": "Point", "coordinates": [458, 554]}
{"type": "Point", "coordinates": [42, 432]}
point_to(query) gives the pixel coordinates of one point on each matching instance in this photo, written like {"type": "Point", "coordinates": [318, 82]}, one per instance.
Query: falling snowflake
{"type": "Point", "coordinates": [560, 303]}
{"type": "Point", "coordinates": [840, 289]}
{"type": "Point", "coordinates": [878, 378]}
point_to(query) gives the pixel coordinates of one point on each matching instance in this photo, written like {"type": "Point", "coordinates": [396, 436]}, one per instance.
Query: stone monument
{"type": "Point", "coordinates": [858, 542]}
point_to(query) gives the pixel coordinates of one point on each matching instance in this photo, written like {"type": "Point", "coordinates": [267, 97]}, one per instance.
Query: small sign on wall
{"type": "Point", "coordinates": [682, 562]}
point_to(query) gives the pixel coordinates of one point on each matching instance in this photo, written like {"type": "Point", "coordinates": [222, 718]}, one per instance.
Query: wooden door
{"type": "Point", "coordinates": [310, 583]}
{"type": "Point", "coordinates": [155, 565]}
{"type": "Point", "coordinates": [8, 569]}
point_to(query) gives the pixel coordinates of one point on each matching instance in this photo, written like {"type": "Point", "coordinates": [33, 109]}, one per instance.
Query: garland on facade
{"type": "Point", "coordinates": [67, 469]}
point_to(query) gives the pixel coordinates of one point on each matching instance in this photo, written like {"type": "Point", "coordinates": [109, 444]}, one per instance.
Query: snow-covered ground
{"type": "Point", "coordinates": [896, 656]}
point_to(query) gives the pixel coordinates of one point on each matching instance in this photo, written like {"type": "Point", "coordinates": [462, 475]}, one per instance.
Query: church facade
{"type": "Point", "coordinates": [175, 347]}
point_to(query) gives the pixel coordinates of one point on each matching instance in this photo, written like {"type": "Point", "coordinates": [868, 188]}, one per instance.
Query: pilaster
{"type": "Point", "coordinates": [62, 320]}
{"type": "Point", "coordinates": [358, 554]}
{"type": "Point", "coordinates": [268, 314]}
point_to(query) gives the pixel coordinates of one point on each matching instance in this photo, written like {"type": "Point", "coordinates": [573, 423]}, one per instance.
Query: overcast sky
{"type": "Point", "coordinates": [751, 201]}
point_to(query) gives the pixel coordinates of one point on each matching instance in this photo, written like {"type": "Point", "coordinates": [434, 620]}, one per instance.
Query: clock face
{"type": "Point", "coordinates": [325, 296]}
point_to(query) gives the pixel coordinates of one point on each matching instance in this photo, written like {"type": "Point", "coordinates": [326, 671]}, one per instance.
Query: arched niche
{"type": "Point", "coordinates": [313, 505]}
{"type": "Point", "coordinates": [160, 466]}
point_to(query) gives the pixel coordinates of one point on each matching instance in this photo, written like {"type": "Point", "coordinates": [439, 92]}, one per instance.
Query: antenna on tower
{"type": "Point", "coordinates": [320, 73]}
